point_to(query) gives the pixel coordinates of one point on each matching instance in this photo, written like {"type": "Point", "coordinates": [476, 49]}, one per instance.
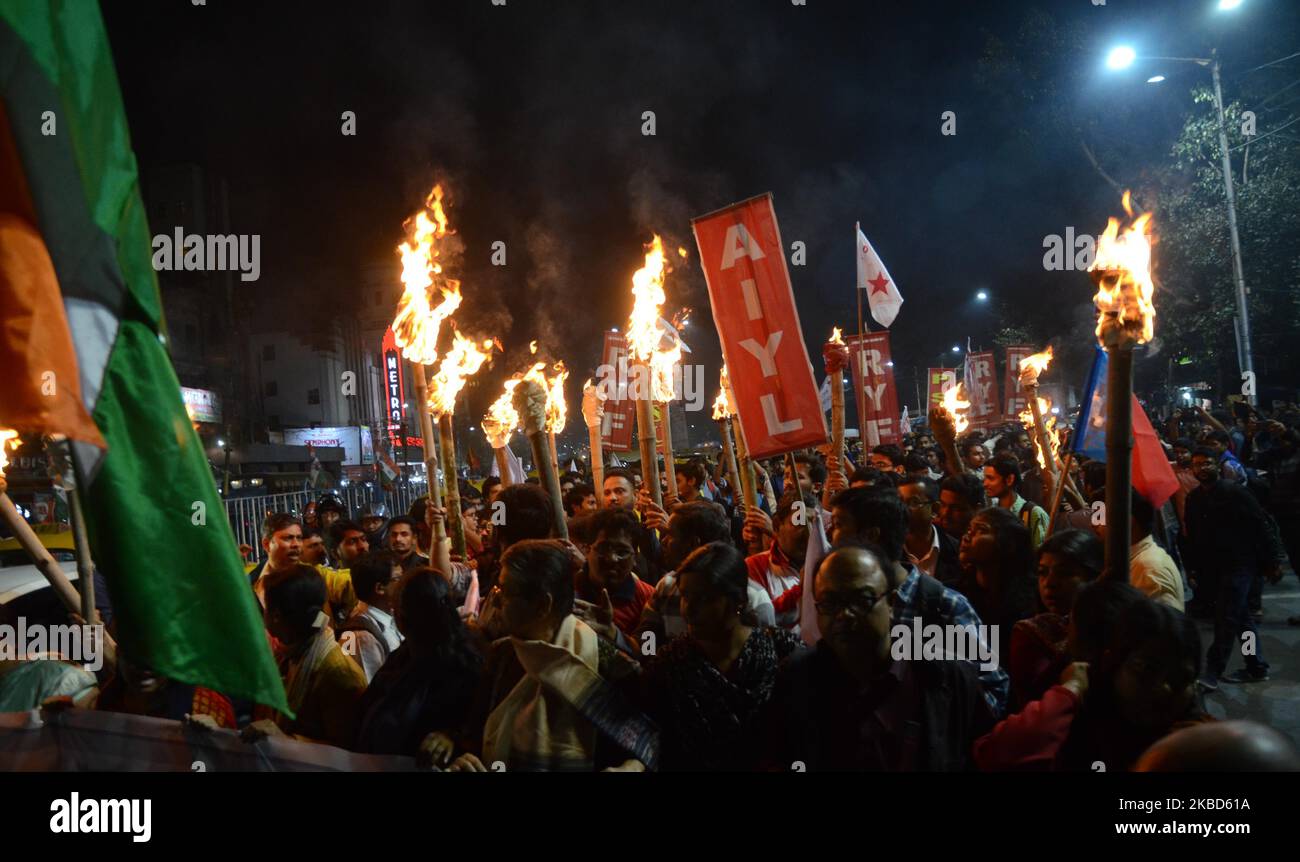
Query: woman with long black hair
{"type": "Point", "coordinates": [418, 699]}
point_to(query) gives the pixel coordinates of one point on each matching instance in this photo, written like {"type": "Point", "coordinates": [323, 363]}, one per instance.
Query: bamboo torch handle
{"type": "Point", "coordinates": [453, 486]}
{"type": "Point", "coordinates": [434, 494]}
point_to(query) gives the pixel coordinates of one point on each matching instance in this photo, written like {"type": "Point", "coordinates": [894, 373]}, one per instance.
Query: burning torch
{"type": "Point", "coordinates": [416, 326]}
{"type": "Point", "coordinates": [643, 337]}
{"type": "Point", "coordinates": [836, 355]}
{"type": "Point", "coordinates": [1125, 319]}
{"type": "Point", "coordinates": [461, 362]}
{"type": "Point", "coordinates": [530, 397]}
{"type": "Point", "coordinates": [593, 413]}
{"type": "Point", "coordinates": [722, 414]}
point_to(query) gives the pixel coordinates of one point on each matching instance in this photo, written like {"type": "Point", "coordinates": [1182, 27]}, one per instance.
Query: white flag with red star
{"type": "Point", "coordinates": [882, 293]}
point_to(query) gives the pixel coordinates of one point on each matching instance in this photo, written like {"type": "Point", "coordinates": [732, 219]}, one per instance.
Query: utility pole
{"type": "Point", "coordinates": [1238, 276]}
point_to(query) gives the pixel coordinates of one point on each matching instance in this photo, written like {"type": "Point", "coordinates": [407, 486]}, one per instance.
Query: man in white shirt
{"type": "Point", "coordinates": [370, 635]}
{"type": "Point", "coordinates": [928, 548]}
{"type": "Point", "coordinates": [1150, 568]}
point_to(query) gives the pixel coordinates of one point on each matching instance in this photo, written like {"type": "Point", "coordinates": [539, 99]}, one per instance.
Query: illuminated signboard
{"type": "Point", "coordinates": [394, 388]}
{"type": "Point", "coordinates": [202, 404]}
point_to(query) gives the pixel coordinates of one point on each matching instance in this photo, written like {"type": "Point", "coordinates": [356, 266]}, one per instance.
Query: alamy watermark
{"type": "Point", "coordinates": [931, 642]}
{"type": "Point", "coordinates": [83, 644]}
{"type": "Point", "coordinates": [212, 252]}
{"type": "Point", "coordinates": [622, 381]}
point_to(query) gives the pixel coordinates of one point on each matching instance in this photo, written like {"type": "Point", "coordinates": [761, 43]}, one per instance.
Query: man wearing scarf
{"type": "Point", "coordinates": [323, 685]}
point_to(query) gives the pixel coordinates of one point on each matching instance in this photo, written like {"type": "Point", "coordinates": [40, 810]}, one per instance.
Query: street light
{"type": "Point", "coordinates": [1121, 57]}
{"type": "Point", "coordinates": [1155, 79]}
{"type": "Point", "coordinates": [982, 296]}
{"type": "Point", "coordinates": [1238, 273]}
{"type": "Point", "coordinates": [956, 349]}
{"type": "Point", "coordinates": [1225, 5]}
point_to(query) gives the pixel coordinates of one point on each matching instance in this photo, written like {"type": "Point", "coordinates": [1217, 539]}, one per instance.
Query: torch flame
{"type": "Point", "coordinates": [461, 362]}
{"type": "Point", "coordinates": [1036, 364]}
{"type": "Point", "coordinates": [1049, 425]}
{"type": "Point", "coordinates": [681, 252]}
{"type": "Point", "coordinates": [956, 405]}
{"type": "Point", "coordinates": [532, 347]}
{"type": "Point", "coordinates": [720, 406]}
{"type": "Point", "coordinates": [10, 437]}
{"type": "Point", "coordinates": [1125, 288]}
{"type": "Point", "coordinates": [556, 409]}
{"type": "Point", "coordinates": [643, 333]}
{"type": "Point", "coordinates": [836, 336]}
{"type": "Point", "coordinates": [415, 328]}
{"type": "Point", "coordinates": [502, 418]}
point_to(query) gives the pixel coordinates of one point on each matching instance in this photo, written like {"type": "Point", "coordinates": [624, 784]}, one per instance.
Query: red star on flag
{"type": "Point", "coordinates": [879, 284]}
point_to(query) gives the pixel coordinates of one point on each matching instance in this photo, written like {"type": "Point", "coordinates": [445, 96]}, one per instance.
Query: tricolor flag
{"type": "Point", "coordinates": [82, 351]}
{"type": "Point", "coordinates": [1153, 478]}
{"type": "Point", "coordinates": [882, 293]}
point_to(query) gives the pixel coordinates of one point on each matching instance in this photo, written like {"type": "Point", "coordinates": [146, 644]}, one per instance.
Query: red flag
{"type": "Point", "coordinates": [873, 381]}
{"type": "Point", "coordinates": [762, 342]}
{"type": "Point", "coordinates": [1153, 478]}
{"type": "Point", "coordinates": [620, 410]}
{"type": "Point", "coordinates": [1014, 400]}
{"type": "Point", "coordinates": [983, 392]}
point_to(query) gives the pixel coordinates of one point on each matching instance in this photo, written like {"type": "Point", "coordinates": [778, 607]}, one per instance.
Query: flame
{"type": "Point", "coordinates": [415, 328]}
{"type": "Point", "coordinates": [532, 347]}
{"type": "Point", "coordinates": [1036, 363]}
{"type": "Point", "coordinates": [1125, 288]}
{"type": "Point", "coordinates": [836, 336]}
{"type": "Point", "coordinates": [956, 405]}
{"type": "Point", "coordinates": [643, 333]}
{"type": "Point", "coordinates": [681, 252]}
{"type": "Point", "coordinates": [463, 360]}
{"type": "Point", "coordinates": [724, 407]}
{"type": "Point", "coordinates": [556, 409]}
{"type": "Point", "coordinates": [720, 406]}
{"type": "Point", "coordinates": [1049, 426]}
{"type": "Point", "coordinates": [502, 418]}
{"type": "Point", "coordinates": [9, 436]}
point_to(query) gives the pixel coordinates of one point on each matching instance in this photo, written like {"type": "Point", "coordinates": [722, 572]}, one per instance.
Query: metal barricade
{"type": "Point", "coordinates": [246, 514]}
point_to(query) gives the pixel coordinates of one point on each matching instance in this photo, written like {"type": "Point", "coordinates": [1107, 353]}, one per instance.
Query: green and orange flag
{"type": "Point", "coordinates": [82, 352]}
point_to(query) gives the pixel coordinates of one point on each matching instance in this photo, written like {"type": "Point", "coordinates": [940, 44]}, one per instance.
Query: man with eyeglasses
{"type": "Point", "coordinates": [609, 596]}
{"type": "Point", "coordinates": [928, 548]}
{"type": "Point", "coordinates": [849, 705]}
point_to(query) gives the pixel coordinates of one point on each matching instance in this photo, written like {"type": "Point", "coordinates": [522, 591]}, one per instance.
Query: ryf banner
{"type": "Point", "coordinates": [873, 383]}
{"type": "Point", "coordinates": [620, 410]}
{"type": "Point", "coordinates": [762, 343]}
{"type": "Point", "coordinates": [984, 409]}
{"type": "Point", "coordinates": [940, 380]}
{"type": "Point", "coordinates": [1015, 402]}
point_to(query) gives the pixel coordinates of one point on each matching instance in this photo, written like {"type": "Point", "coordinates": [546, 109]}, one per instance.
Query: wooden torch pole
{"type": "Point", "coordinates": [448, 454]}
{"type": "Point", "coordinates": [430, 446]}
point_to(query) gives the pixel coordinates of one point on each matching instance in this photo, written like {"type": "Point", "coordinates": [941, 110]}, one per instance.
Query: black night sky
{"type": "Point", "coordinates": [532, 112]}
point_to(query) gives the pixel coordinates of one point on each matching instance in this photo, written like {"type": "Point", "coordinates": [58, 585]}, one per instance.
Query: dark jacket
{"type": "Point", "coordinates": [933, 711]}
{"type": "Point", "coordinates": [1228, 530]}
{"type": "Point", "coordinates": [948, 569]}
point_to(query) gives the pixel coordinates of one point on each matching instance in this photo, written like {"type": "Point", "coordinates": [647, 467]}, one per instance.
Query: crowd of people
{"type": "Point", "coordinates": [702, 634]}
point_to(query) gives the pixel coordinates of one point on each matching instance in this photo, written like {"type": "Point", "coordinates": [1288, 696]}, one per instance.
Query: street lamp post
{"type": "Point", "coordinates": [1122, 57]}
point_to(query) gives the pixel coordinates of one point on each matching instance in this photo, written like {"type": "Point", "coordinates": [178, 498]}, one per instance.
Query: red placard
{"type": "Point", "coordinates": [758, 324]}
{"type": "Point", "coordinates": [983, 394]}
{"type": "Point", "coordinates": [1014, 399]}
{"type": "Point", "coordinates": [939, 381]}
{"type": "Point", "coordinates": [620, 410]}
{"type": "Point", "coordinates": [873, 385]}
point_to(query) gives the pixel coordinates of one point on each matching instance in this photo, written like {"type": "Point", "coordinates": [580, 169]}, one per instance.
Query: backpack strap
{"type": "Point", "coordinates": [363, 623]}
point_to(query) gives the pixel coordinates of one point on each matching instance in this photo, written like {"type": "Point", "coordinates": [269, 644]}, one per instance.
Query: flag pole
{"type": "Point", "coordinates": [861, 378]}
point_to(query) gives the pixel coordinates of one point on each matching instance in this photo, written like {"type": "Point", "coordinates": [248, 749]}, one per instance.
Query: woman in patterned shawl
{"type": "Point", "coordinates": [708, 689]}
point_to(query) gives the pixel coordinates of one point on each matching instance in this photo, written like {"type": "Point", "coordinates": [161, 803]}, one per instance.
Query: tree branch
{"type": "Point", "coordinates": [1092, 159]}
